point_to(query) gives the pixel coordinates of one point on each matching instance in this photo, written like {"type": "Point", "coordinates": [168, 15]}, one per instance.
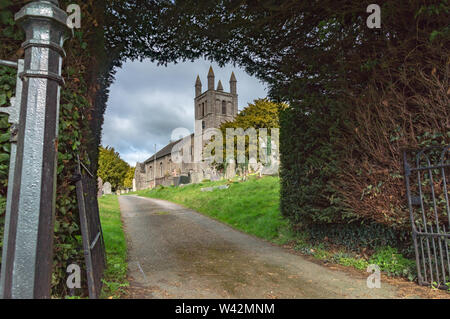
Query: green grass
{"type": "Point", "coordinates": [115, 277]}
{"type": "Point", "coordinates": [251, 206]}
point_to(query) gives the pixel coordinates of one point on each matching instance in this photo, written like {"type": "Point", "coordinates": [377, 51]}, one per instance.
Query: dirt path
{"type": "Point", "coordinates": [178, 253]}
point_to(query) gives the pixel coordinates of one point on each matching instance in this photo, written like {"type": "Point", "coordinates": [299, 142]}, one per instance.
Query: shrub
{"type": "Point", "coordinates": [342, 136]}
{"type": "Point", "coordinates": [391, 261]}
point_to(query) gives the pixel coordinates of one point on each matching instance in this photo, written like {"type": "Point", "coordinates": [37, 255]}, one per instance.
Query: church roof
{"type": "Point", "coordinates": [166, 150]}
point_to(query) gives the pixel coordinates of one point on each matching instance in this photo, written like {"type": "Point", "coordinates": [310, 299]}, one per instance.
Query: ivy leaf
{"type": "Point", "coordinates": [2, 99]}
{"type": "Point", "coordinates": [434, 35]}
{"type": "Point", "coordinates": [4, 137]}
{"type": "Point", "coordinates": [4, 158]}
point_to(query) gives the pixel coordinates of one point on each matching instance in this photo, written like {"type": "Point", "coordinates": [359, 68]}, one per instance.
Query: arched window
{"type": "Point", "coordinates": [203, 125]}
{"type": "Point", "coordinates": [161, 169]}
{"type": "Point", "coordinates": [224, 107]}
{"type": "Point", "coordinates": [203, 109]}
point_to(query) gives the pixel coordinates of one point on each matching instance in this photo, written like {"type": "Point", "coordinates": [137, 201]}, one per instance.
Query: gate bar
{"type": "Point", "coordinates": [10, 64]}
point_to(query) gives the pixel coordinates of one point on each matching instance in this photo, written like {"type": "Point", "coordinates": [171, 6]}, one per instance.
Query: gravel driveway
{"type": "Point", "coordinates": [175, 252]}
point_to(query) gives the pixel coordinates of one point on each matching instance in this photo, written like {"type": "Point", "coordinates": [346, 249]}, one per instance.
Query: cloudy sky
{"type": "Point", "coordinates": [147, 102]}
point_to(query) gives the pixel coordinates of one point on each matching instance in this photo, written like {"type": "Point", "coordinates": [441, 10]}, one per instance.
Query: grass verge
{"type": "Point", "coordinates": [115, 277]}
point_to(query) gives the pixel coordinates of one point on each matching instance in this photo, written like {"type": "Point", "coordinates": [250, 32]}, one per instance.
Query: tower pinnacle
{"type": "Point", "coordinates": [233, 86]}
{"type": "Point", "coordinates": [211, 79]}
{"type": "Point", "coordinates": [233, 77]}
{"type": "Point", "coordinates": [219, 86]}
{"type": "Point", "coordinates": [198, 86]}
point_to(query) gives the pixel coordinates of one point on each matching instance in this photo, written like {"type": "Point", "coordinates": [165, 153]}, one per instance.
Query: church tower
{"type": "Point", "coordinates": [215, 106]}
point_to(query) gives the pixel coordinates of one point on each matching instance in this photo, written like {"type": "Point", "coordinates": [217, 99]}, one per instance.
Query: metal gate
{"type": "Point", "coordinates": [427, 173]}
{"type": "Point", "coordinates": [91, 229]}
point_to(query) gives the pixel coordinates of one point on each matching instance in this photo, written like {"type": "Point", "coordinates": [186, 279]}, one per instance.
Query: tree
{"type": "Point", "coordinates": [262, 113]}
{"type": "Point", "coordinates": [111, 168]}
{"type": "Point", "coordinates": [128, 181]}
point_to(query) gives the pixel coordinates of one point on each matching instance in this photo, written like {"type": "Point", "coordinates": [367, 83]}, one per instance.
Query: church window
{"type": "Point", "coordinates": [203, 125]}
{"type": "Point", "coordinates": [161, 169]}
{"type": "Point", "coordinates": [224, 107]}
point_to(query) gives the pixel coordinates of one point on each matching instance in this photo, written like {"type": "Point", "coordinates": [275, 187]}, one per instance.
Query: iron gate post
{"type": "Point", "coordinates": [28, 264]}
{"type": "Point", "coordinates": [407, 172]}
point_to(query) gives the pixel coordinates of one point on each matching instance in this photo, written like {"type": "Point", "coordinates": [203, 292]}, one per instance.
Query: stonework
{"type": "Point", "coordinates": [230, 170]}
{"type": "Point", "coordinates": [214, 107]}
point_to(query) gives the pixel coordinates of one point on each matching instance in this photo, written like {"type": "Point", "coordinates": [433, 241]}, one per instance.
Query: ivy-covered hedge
{"type": "Point", "coordinates": [81, 115]}
{"type": "Point", "coordinates": [7, 83]}
{"type": "Point", "coordinates": [342, 137]}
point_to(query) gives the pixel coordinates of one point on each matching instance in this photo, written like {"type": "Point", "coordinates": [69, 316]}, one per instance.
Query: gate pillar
{"type": "Point", "coordinates": [28, 264]}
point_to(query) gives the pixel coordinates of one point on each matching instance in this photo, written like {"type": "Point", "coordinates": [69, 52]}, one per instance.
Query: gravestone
{"type": "Point", "coordinates": [107, 189]}
{"type": "Point", "coordinates": [253, 165]}
{"type": "Point", "coordinates": [273, 165]}
{"type": "Point", "coordinates": [214, 176]}
{"type": "Point", "coordinates": [239, 171]}
{"type": "Point", "coordinates": [259, 169]}
{"type": "Point", "coordinates": [207, 173]}
{"type": "Point", "coordinates": [100, 187]}
{"type": "Point", "coordinates": [197, 177]}
{"type": "Point", "coordinates": [231, 170]}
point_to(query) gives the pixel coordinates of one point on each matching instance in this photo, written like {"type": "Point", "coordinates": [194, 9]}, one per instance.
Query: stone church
{"type": "Point", "coordinates": [213, 107]}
